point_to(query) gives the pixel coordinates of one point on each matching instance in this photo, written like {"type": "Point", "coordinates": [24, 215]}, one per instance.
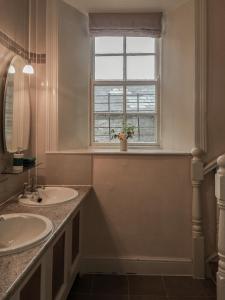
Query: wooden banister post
{"type": "Point", "coordinates": [198, 247]}
{"type": "Point", "coordinates": [220, 195]}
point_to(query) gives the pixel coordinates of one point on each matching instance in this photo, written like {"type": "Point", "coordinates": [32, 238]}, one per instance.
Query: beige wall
{"type": "Point", "coordinates": [73, 78]}
{"type": "Point", "coordinates": [178, 81]}
{"type": "Point", "coordinates": [216, 75]}
{"type": "Point", "coordinates": [141, 205]}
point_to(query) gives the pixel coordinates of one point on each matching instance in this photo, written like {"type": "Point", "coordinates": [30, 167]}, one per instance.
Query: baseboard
{"type": "Point", "coordinates": [144, 266]}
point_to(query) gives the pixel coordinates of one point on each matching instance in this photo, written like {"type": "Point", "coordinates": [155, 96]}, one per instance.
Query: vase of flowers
{"type": "Point", "coordinates": [126, 133]}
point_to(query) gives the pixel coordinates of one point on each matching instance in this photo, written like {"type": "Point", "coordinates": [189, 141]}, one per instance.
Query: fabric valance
{"type": "Point", "coordinates": [129, 24]}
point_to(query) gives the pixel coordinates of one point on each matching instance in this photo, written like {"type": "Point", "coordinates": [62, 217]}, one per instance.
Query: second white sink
{"type": "Point", "coordinates": [19, 232]}
{"type": "Point", "coordinates": [49, 196]}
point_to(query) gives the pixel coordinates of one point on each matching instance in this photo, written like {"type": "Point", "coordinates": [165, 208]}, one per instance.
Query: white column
{"type": "Point", "coordinates": [220, 195]}
{"type": "Point", "coordinates": [198, 252]}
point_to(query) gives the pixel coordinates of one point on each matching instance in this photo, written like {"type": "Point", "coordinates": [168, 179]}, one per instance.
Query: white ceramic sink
{"type": "Point", "coordinates": [21, 231]}
{"type": "Point", "coordinates": [49, 196]}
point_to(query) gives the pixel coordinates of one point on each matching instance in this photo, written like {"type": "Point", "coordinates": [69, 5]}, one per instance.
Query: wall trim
{"type": "Point", "coordinates": [145, 266]}
{"type": "Point", "coordinates": [52, 20]}
{"type": "Point", "coordinates": [201, 74]}
{"type": "Point", "coordinates": [10, 44]}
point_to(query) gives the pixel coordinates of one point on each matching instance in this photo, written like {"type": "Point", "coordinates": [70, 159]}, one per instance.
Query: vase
{"type": "Point", "coordinates": [123, 145]}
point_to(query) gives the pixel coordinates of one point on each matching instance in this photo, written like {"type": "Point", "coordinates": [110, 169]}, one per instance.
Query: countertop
{"type": "Point", "coordinates": [13, 268]}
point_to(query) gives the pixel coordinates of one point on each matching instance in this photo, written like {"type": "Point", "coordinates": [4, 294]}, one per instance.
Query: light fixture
{"type": "Point", "coordinates": [12, 69]}
{"type": "Point", "coordinates": [28, 68]}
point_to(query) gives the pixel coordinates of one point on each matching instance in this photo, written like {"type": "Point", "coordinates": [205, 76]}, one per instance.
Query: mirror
{"type": "Point", "coordinates": [16, 112]}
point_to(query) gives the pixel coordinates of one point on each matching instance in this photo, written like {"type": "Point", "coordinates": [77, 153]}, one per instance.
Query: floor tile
{"type": "Point", "coordinates": [110, 297]}
{"type": "Point", "coordinates": [147, 297]}
{"type": "Point", "coordinates": [146, 285]}
{"type": "Point", "coordinates": [82, 285]}
{"type": "Point", "coordinates": [193, 298]}
{"type": "Point", "coordinates": [78, 297]}
{"type": "Point", "coordinates": [181, 286]}
{"type": "Point", "coordinates": [110, 285]}
{"type": "Point", "coordinates": [209, 287]}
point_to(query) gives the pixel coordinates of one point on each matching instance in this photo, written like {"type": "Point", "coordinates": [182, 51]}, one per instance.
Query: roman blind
{"type": "Point", "coordinates": [129, 24]}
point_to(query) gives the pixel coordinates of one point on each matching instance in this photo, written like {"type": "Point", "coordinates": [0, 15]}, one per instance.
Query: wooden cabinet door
{"type": "Point", "coordinates": [32, 289]}
{"type": "Point", "coordinates": [58, 265]}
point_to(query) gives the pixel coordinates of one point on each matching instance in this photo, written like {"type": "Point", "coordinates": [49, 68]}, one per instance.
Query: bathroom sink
{"type": "Point", "coordinates": [21, 231]}
{"type": "Point", "coordinates": [49, 196]}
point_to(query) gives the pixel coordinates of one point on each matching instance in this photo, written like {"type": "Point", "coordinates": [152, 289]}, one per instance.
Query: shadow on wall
{"type": "Point", "coordinates": [95, 221]}
{"type": "Point", "coordinates": [209, 213]}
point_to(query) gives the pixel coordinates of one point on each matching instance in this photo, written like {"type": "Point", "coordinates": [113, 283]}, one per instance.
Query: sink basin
{"type": "Point", "coordinates": [49, 196]}
{"type": "Point", "coordinates": [19, 232]}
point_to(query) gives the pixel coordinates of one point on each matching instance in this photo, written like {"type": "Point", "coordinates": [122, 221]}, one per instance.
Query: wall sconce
{"type": "Point", "coordinates": [28, 68]}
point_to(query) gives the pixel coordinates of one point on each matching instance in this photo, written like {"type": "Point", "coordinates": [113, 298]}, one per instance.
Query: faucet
{"type": "Point", "coordinates": [34, 189]}
{"type": "Point", "coordinates": [25, 190]}
{"type": "Point", "coordinates": [33, 185]}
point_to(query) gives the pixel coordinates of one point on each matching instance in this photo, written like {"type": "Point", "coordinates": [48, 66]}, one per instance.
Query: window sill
{"type": "Point", "coordinates": [116, 151]}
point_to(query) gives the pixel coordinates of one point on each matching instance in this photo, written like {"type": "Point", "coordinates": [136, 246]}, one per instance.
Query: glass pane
{"type": "Point", "coordinates": [103, 126]}
{"type": "Point", "coordinates": [141, 98]}
{"type": "Point", "coordinates": [145, 128]}
{"type": "Point", "coordinates": [141, 67]}
{"type": "Point", "coordinates": [108, 99]}
{"type": "Point", "coordinates": [105, 45]}
{"type": "Point", "coordinates": [140, 45]}
{"type": "Point", "coordinates": [108, 68]}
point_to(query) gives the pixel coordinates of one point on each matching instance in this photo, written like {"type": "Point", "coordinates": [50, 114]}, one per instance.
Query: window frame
{"type": "Point", "coordinates": [123, 83]}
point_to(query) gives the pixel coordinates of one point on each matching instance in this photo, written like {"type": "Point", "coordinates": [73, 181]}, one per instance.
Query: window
{"type": "Point", "coordinates": [125, 84]}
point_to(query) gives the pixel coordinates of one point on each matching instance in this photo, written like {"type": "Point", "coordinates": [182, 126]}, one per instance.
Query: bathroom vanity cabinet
{"type": "Point", "coordinates": [52, 276]}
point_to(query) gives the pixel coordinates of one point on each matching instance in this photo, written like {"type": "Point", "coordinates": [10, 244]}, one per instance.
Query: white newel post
{"type": "Point", "coordinates": [198, 252]}
{"type": "Point", "coordinates": [220, 195]}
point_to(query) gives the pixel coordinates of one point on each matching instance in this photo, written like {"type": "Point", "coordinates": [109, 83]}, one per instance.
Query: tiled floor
{"type": "Point", "coordinates": [132, 287]}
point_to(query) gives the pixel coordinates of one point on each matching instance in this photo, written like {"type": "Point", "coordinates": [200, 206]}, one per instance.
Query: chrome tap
{"type": "Point", "coordinates": [25, 190]}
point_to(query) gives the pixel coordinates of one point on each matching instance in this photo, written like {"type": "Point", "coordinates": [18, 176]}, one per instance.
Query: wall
{"type": "Point", "coordinates": [138, 201]}
{"type": "Point", "coordinates": [178, 81]}
{"type": "Point", "coordinates": [216, 75]}
{"type": "Point", "coordinates": [134, 213]}
{"type": "Point", "coordinates": [73, 78]}
{"type": "Point", "coordinates": [13, 23]}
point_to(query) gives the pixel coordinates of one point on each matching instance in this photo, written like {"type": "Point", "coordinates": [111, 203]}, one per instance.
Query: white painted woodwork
{"type": "Point", "coordinates": [46, 263]}
{"type": "Point", "coordinates": [52, 16]}
{"type": "Point", "coordinates": [220, 195]}
{"type": "Point", "coordinates": [200, 73]}
{"type": "Point", "coordinates": [197, 223]}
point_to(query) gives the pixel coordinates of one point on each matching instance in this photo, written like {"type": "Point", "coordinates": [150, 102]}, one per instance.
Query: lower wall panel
{"type": "Point", "coordinates": [150, 266]}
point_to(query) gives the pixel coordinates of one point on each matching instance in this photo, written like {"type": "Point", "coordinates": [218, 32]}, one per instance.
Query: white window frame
{"type": "Point", "coordinates": [123, 83]}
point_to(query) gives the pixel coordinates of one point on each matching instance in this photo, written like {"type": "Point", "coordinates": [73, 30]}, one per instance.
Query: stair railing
{"type": "Point", "coordinates": [198, 248]}
{"type": "Point", "coordinates": [220, 195]}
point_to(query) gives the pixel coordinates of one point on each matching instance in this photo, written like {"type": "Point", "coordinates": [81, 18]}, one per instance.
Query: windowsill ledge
{"type": "Point", "coordinates": [117, 151]}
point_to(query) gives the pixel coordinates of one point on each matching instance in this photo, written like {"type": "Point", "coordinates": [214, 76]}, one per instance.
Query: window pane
{"type": "Point", "coordinates": [108, 68]}
{"type": "Point", "coordinates": [104, 45]}
{"type": "Point", "coordinates": [141, 98]}
{"type": "Point", "coordinates": [141, 67]}
{"type": "Point", "coordinates": [140, 45]}
{"type": "Point", "coordinates": [103, 126]}
{"type": "Point", "coordinates": [145, 128]}
{"type": "Point", "coordinates": [108, 99]}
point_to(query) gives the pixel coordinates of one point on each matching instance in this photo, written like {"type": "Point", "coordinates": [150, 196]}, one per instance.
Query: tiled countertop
{"type": "Point", "coordinates": [13, 268]}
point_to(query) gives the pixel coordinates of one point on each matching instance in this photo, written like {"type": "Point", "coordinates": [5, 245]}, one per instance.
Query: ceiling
{"type": "Point", "coordinates": [87, 6]}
